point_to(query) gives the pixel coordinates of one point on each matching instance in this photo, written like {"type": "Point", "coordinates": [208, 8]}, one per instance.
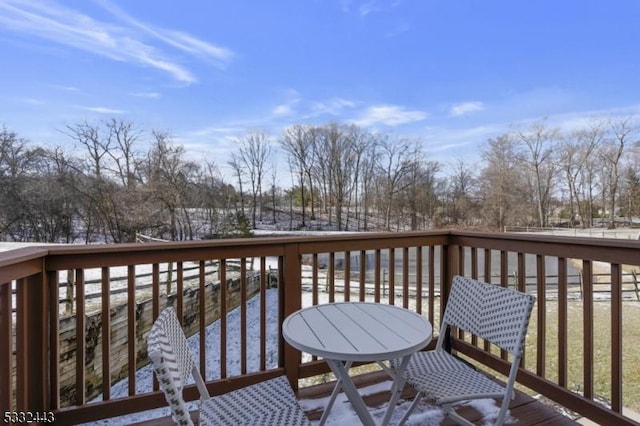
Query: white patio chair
{"type": "Point", "coordinates": [491, 312]}
{"type": "Point", "coordinates": [271, 402]}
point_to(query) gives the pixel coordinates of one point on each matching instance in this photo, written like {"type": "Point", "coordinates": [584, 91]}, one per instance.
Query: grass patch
{"type": "Point", "coordinates": [602, 349]}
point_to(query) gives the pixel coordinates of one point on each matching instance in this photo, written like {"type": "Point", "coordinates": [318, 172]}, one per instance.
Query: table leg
{"type": "Point", "coordinates": [334, 394]}
{"type": "Point", "coordinates": [396, 389]}
{"type": "Point", "coordinates": [351, 391]}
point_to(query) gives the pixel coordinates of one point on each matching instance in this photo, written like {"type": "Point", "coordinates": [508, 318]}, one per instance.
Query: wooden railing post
{"type": "Point", "coordinates": [449, 265]}
{"type": "Point", "coordinates": [32, 354]}
{"type": "Point", "coordinates": [289, 296]}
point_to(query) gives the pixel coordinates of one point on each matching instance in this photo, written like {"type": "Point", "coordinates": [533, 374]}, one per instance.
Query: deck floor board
{"type": "Point", "coordinates": [527, 410]}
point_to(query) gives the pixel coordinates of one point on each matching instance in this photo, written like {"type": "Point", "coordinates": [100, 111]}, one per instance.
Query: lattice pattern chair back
{"type": "Point", "coordinates": [491, 312]}
{"type": "Point", "coordinates": [167, 347]}
{"type": "Point", "coordinates": [269, 402]}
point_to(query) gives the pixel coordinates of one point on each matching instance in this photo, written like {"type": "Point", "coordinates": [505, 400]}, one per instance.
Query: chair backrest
{"type": "Point", "coordinates": [172, 362]}
{"type": "Point", "coordinates": [497, 314]}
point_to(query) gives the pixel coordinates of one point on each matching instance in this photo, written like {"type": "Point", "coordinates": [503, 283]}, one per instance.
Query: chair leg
{"type": "Point", "coordinates": [412, 407]}
{"type": "Point", "coordinates": [503, 411]}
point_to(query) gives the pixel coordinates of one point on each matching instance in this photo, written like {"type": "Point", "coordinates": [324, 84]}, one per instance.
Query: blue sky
{"type": "Point", "coordinates": [449, 73]}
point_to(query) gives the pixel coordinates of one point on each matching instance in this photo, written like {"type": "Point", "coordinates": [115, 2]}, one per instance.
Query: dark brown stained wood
{"type": "Point", "coordinates": [106, 334]}
{"type": "Point", "coordinates": [202, 310]}
{"type": "Point", "coordinates": [314, 283]}
{"type": "Point", "coordinates": [222, 268]}
{"type": "Point", "coordinates": [587, 318]}
{"type": "Point", "coordinates": [131, 327]}
{"type": "Point", "coordinates": [432, 284]}
{"type": "Point", "coordinates": [179, 290]}
{"type": "Point", "coordinates": [155, 305]}
{"type": "Point", "coordinates": [521, 285]}
{"type": "Point", "coordinates": [332, 277]}
{"type": "Point", "coordinates": [392, 276]}
{"type": "Point", "coordinates": [563, 317]}
{"type": "Point", "coordinates": [378, 267]}
{"type": "Point", "coordinates": [363, 272]}
{"type": "Point", "coordinates": [39, 295]}
{"type": "Point", "coordinates": [405, 277]}
{"type": "Point", "coordinates": [541, 286]}
{"type": "Point", "coordinates": [290, 294]}
{"type": "Point", "coordinates": [616, 337]}
{"type": "Point", "coordinates": [54, 341]}
{"type": "Point", "coordinates": [243, 316]}
{"type": "Point", "coordinates": [419, 280]}
{"type": "Point", "coordinates": [263, 312]}
{"type": "Point", "coordinates": [347, 275]}
{"type": "Point", "coordinates": [81, 346]}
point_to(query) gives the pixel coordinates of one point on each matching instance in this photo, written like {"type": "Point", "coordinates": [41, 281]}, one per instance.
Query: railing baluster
{"type": "Point", "coordinates": [432, 283]}
{"type": "Point", "coordinates": [392, 276]}
{"type": "Point", "coordinates": [347, 276]}
{"type": "Point", "coordinates": [419, 280]}
{"type": "Point", "coordinates": [314, 279]}
{"type": "Point", "coordinates": [263, 312]}
{"type": "Point", "coordinates": [541, 276]}
{"type": "Point", "coordinates": [377, 273]}
{"type": "Point", "coordinates": [587, 279]}
{"type": "Point", "coordinates": [243, 316]}
{"type": "Point", "coordinates": [54, 340]}
{"type": "Point", "coordinates": [332, 277]}
{"type": "Point", "coordinates": [80, 338]}
{"type": "Point", "coordinates": [106, 333]}
{"type": "Point", "coordinates": [222, 265]}
{"type": "Point", "coordinates": [202, 310]}
{"type": "Point", "coordinates": [6, 348]}
{"type": "Point", "coordinates": [131, 327]}
{"type": "Point", "coordinates": [474, 263]}
{"type": "Point", "coordinates": [563, 335]}
{"type": "Point", "coordinates": [405, 277]}
{"type": "Point", "coordinates": [363, 275]}
{"type": "Point", "coordinates": [155, 306]}
{"type": "Point", "coordinates": [179, 288]}
{"type": "Point", "coordinates": [616, 337]}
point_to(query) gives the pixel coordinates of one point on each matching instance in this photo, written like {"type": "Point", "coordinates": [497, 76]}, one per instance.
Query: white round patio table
{"type": "Point", "coordinates": [345, 332]}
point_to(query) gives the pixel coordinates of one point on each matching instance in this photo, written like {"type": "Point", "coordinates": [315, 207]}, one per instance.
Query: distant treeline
{"type": "Point", "coordinates": [108, 188]}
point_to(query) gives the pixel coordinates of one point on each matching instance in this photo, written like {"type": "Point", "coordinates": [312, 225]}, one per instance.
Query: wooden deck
{"type": "Point", "coordinates": [525, 409]}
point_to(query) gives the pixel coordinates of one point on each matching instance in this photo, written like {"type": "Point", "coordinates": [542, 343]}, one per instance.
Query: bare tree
{"type": "Point", "coordinates": [461, 183]}
{"type": "Point", "coordinates": [576, 153]}
{"type": "Point", "coordinates": [254, 151]}
{"type": "Point", "coordinates": [121, 139]}
{"type": "Point", "coordinates": [394, 162]}
{"type": "Point", "coordinates": [298, 141]}
{"type": "Point", "coordinates": [501, 183]}
{"type": "Point", "coordinates": [622, 131]}
{"type": "Point", "coordinates": [536, 152]}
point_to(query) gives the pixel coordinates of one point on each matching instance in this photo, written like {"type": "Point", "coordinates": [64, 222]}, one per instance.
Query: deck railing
{"type": "Point", "coordinates": [58, 363]}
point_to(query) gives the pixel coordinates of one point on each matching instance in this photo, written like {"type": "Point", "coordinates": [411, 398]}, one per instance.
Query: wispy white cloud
{"type": "Point", "coordinates": [177, 39]}
{"type": "Point", "coordinates": [283, 110]}
{"type": "Point", "coordinates": [65, 88]}
{"type": "Point", "coordinates": [102, 110]}
{"type": "Point", "coordinates": [390, 115]}
{"type": "Point", "coordinates": [466, 108]}
{"type": "Point", "coordinates": [147, 95]}
{"type": "Point", "coordinates": [129, 40]}
{"type": "Point", "coordinates": [333, 106]}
